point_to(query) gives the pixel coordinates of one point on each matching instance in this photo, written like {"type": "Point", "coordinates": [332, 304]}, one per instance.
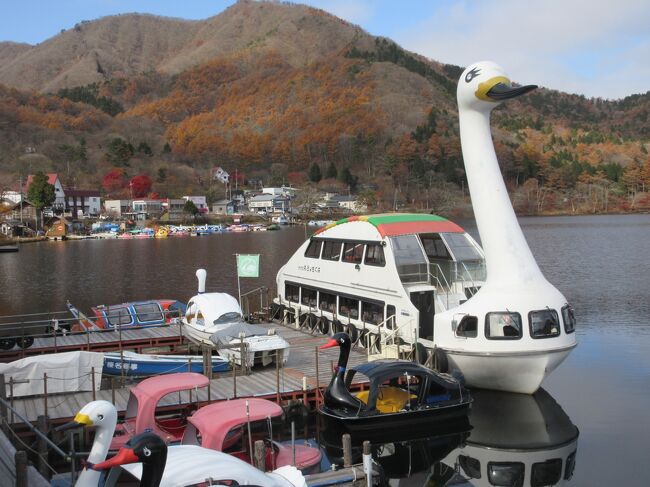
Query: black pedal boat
{"type": "Point", "coordinates": [401, 394]}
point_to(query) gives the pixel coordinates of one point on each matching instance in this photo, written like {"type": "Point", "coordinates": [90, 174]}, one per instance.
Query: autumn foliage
{"type": "Point", "coordinates": [140, 185]}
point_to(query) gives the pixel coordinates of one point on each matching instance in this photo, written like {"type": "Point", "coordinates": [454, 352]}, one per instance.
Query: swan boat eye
{"type": "Point", "coordinates": [100, 417]}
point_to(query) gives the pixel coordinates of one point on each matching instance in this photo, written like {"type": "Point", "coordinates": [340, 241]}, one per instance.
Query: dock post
{"type": "Point", "coordinates": [113, 390]}
{"type": "Point", "coordinates": [346, 441]}
{"type": "Point", "coordinates": [11, 397]}
{"type": "Point", "coordinates": [293, 443]}
{"type": "Point", "coordinates": [3, 407]}
{"type": "Point", "coordinates": [45, 393]}
{"type": "Point", "coordinates": [20, 458]}
{"type": "Point", "coordinates": [317, 377]}
{"type": "Point", "coordinates": [260, 454]}
{"type": "Point", "coordinates": [278, 359]}
{"type": "Point", "coordinates": [42, 447]}
{"type": "Point", "coordinates": [92, 371]}
{"type": "Point", "coordinates": [234, 380]}
{"type": "Point", "coordinates": [367, 463]}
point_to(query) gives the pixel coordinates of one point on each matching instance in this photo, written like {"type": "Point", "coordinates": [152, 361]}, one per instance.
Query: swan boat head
{"type": "Point", "coordinates": [484, 85]}
{"type": "Point", "coordinates": [102, 417]}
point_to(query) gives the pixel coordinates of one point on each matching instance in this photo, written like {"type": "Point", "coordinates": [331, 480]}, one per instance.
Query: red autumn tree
{"type": "Point", "coordinates": [140, 185]}
{"type": "Point", "coordinates": [114, 180]}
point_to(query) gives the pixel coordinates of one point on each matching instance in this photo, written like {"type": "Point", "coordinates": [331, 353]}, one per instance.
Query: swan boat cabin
{"type": "Point", "coordinates": [409, 278]}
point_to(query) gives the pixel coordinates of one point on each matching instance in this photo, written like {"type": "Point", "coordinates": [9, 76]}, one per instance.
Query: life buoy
{"type": "Point", "coordinates": [7, 343]}
{"type": "Point", "coordinates": [25, 342]}
{"type": "Point", "coordinates": [440, 361]}
{"type": "Point", "coordinates": [323, 325]}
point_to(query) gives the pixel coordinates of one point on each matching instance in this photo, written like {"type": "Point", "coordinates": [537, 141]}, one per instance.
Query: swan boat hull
{"type": "Point", "coordinates": [490, 370]}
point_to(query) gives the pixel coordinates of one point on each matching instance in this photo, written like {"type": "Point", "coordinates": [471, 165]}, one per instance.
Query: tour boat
{"type": "Point", "coordinates": [516, 439]}
{"type": "Point", "coordinates": [140, 415]}
{"type": "Point", "coordinates": [141, 365]}
{"type": "Point", "coordinates": [190, 466]}
{"type": "Point", "coordinates": [488, 315]}
{"type": "Point", "coordinates": [401, 394]}
{"type": "Point", "coordinates": [220, 426]}
{"type": "Point", "coordinates": [216, 319]}
{"type": "Point", "coordinates": [137, 314]}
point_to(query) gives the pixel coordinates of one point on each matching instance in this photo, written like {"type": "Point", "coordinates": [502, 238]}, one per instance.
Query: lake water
{"type": "Point", "coordinates": [600, 263]}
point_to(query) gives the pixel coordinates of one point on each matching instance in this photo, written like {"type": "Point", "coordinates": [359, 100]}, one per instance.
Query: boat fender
{"type": "Point", "coordinates": [7, 343]}
{"type": "Point", "coordinates": [352, 331]}
{"type": "Point", "coordinates": [25, 342]}
{"type": "Point", "coordinates": [420, 353]}
{"type": "Point", "coordinates": [323, 325]}
{"type": "Point", "coordinates": [440, 362]}
{"type": "Point", "coordinates": [337, 327]}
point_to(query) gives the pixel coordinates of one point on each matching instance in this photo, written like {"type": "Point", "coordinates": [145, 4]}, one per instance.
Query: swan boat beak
{"type": "Point", "coordinates": [79, 421]}
{"type": "Point", "coordinates": [331, 343]}
{"type": "Point", "coordinates": [123, 457]}
{"type": "Point", "coordinates": [499, 88]}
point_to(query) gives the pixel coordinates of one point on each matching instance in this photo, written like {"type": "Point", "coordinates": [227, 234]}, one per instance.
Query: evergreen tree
{"type": "Point", "coordinates": [332, 172]}
{"type": "Point", "coordinates": [315, 174]}
{"type": "Point", "coordinates": [190, 208]}
{"type": "Point", "coordinates": [40, 193]}
{"type": "Point", "coordinates": [345, 176]}
{"type": "Point", "coordinates": [119, 152]}
{"type": "Point", "coordinates": [167, 148]}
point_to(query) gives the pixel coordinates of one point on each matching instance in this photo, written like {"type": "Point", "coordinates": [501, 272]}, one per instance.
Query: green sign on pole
{"type": "Point", "coordinates": [248, 265]}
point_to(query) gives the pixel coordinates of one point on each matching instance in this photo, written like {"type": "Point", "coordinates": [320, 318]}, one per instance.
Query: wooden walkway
{"type": "Point", "coordinates": [262, 382]}
{"type": "Point", "coordinates": [136, 339]}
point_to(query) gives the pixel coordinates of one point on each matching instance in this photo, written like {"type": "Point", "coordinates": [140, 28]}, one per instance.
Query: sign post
{"type": "Point", "coordinates": [248, 265]}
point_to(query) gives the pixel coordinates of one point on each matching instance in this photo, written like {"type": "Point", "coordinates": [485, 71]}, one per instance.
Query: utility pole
{"type": "Point", "coordinates": [20, 183]}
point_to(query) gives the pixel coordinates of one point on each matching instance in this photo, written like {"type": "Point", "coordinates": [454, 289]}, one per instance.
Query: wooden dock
{"type": "Point", "coordinates": [282, 384]}
{"type": "Point", "coordinates": [136, 339]}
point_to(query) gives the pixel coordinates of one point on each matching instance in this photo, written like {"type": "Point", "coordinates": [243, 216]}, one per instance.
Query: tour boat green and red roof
{"type": "Point", "coordinates": [392, 224]}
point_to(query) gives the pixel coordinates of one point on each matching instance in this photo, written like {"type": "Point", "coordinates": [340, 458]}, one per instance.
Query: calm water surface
{"type": "Point", "coordinates": [600, 263]}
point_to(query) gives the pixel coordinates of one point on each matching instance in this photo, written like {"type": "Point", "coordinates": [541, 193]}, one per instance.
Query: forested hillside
{"type": "Point", "coordinates": [273, 89]}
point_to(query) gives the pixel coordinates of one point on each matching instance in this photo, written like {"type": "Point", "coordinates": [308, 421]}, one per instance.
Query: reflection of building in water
{"type": "Point", "coordinates": [517, 440]}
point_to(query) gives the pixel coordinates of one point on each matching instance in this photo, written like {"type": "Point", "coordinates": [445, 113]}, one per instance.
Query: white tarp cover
{"type": "Point", "coordinates": [66, 372]}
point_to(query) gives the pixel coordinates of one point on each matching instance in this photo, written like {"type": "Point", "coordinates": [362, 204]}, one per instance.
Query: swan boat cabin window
{"type": "Point", "coordinates": [569, 319]}
{"type": "Point", "coordinates": [544, 323]}
{"type": "Point", "coordinates": [148, 312]}
{"type": "Point", "coordinates": [468, 327]}
{"type": "Point", "coordinates": [503, 325]}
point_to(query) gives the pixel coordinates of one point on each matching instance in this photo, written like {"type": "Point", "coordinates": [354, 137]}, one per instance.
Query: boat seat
{"type": "Point", "coordinates": [389, 400]}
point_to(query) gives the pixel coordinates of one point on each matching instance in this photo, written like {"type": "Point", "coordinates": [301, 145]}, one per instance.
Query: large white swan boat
{"type": "Point", "coordinates": [488, 315]}
{"type": "Point", "coordinates": [216, 320]}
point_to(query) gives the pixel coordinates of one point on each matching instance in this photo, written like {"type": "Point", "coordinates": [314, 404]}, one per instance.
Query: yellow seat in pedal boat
{"type": "Point", "coordinates": [390, 399]}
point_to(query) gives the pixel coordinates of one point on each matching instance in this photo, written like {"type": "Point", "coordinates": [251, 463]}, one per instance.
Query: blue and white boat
{"type": "Point", "coordinates": [135, 364]}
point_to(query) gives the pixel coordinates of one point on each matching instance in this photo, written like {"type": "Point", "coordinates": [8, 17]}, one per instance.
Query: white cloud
{"type": "Point", "coordinates": [571, 45]}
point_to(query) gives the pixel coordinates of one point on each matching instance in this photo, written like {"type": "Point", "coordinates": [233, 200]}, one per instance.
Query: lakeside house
{"type": "Point", "coordinates": [82, 203]}
{"type": "Point", "coordinates": [58, 205]}
{"type": "Point", "coordinates": [199, 201]}
{"type": "Point", "coordinates": [268, 203]}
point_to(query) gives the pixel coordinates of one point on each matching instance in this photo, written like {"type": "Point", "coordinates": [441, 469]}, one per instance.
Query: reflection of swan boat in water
{"type": "Point", "coordinates": [516, 440]}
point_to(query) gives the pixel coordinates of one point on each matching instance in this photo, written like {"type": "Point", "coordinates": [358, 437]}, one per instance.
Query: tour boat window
{"type": "Point", "coordinates": [471, 466]}
{"type": "Point", "coordinates": [461, 246]}
{"type": "Point", "coordinates": [331, 250]}
{"type": "Point", "coordinates": [313, 249]}
{"type": "Point", "coordinates": [327, 302]}
{"type": "Point", "coordinates": [570, 466]}
{"type": "Point", "coordinates": [391, 316]}
{"type": "Point", "coordinates": [546, 473]}
{"type": "Point", "coordinates": [468, 327]}
{"type": "Point", "coordinates": [434, 246]}
{"type": "Point", "coordinates": [506, 474]}
{"type": "Point", "coordinates": [349, 307]}
{"type": "Point", "coordinates": [372, 312]}
{"type": "Point", "coordinates": [308, 297]}
{"type": "Point", "coordinates": [375, 255]}
{"type": "Point", "coordinates": [353, 252]}
{"type": "Point", "coordinates": [544, 323]}
{"type": "Point", "coordinates": [503, 325]}
{"type": "Point", "coordinates": [227, 318]}
{"type": "Point", "coordinates": [119, 316]}
{"type": "Point", "coordinates": [412, 264]}
{"type": "Point", "coordinates": [569, 319]}
{"type": "Point", "coordinates": [291, 292]}
{"type": "Point", "coordinates": [148, 312]}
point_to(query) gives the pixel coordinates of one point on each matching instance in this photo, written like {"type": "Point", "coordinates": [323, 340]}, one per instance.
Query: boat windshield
{"type": "Point", "coordinates": [230, 317]}
{"type": "Point", "coordinates": [412, 264]}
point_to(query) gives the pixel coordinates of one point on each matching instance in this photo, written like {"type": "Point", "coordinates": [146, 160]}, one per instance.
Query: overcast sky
{"type": "Point", "coordinates": [591, 47]}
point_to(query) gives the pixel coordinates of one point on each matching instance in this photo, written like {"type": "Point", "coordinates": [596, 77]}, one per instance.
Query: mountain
{"type": "Point", "coordinates": [270, 89]}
